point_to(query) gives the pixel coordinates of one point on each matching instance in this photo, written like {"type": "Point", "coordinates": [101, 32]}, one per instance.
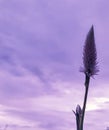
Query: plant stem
{"type": "Point", "coordinates": [87, 80]}
{"type": "Point", "coordinates": [77, 122]}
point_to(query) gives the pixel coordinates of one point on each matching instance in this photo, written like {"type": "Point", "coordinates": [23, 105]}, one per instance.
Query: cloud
{"type": "Point", "coordinates": [40, 55]}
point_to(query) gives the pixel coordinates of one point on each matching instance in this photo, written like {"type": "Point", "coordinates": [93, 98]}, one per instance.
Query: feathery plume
{"type": "Point", "coordinates": [90, 55]}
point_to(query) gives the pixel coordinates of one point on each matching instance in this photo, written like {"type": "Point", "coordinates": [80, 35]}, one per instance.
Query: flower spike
{"type": "Point", "coordinates": [90, 55]}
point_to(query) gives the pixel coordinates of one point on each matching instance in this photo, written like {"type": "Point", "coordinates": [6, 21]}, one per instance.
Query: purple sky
{"type": "Point", "coordinates": [41, 43]}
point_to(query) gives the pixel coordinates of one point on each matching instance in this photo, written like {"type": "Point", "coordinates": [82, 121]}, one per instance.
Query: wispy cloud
{"type": "Point", "coordinates": [40, 53]}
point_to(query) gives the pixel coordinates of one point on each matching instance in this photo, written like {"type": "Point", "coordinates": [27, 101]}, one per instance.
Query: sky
{"type": "Point", "coordinates": [41, 45]}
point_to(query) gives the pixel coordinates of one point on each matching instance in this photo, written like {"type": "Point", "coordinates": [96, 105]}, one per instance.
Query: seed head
{"type": "Point", "coordinates": [90, 55]}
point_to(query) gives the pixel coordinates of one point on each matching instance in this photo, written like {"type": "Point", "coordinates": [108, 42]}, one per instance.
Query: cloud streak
{"type": "Point", "coordinates": [41, 44]}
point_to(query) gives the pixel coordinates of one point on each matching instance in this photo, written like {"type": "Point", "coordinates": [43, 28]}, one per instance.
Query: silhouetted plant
{"type": "Point", "coordinates": [90, 69]}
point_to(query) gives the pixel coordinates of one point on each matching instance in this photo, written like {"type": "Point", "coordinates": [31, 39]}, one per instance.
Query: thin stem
{"type": "Point", "coordinates": [77, 121]}
{"type": "Point", "coordinates": [87, 80]}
